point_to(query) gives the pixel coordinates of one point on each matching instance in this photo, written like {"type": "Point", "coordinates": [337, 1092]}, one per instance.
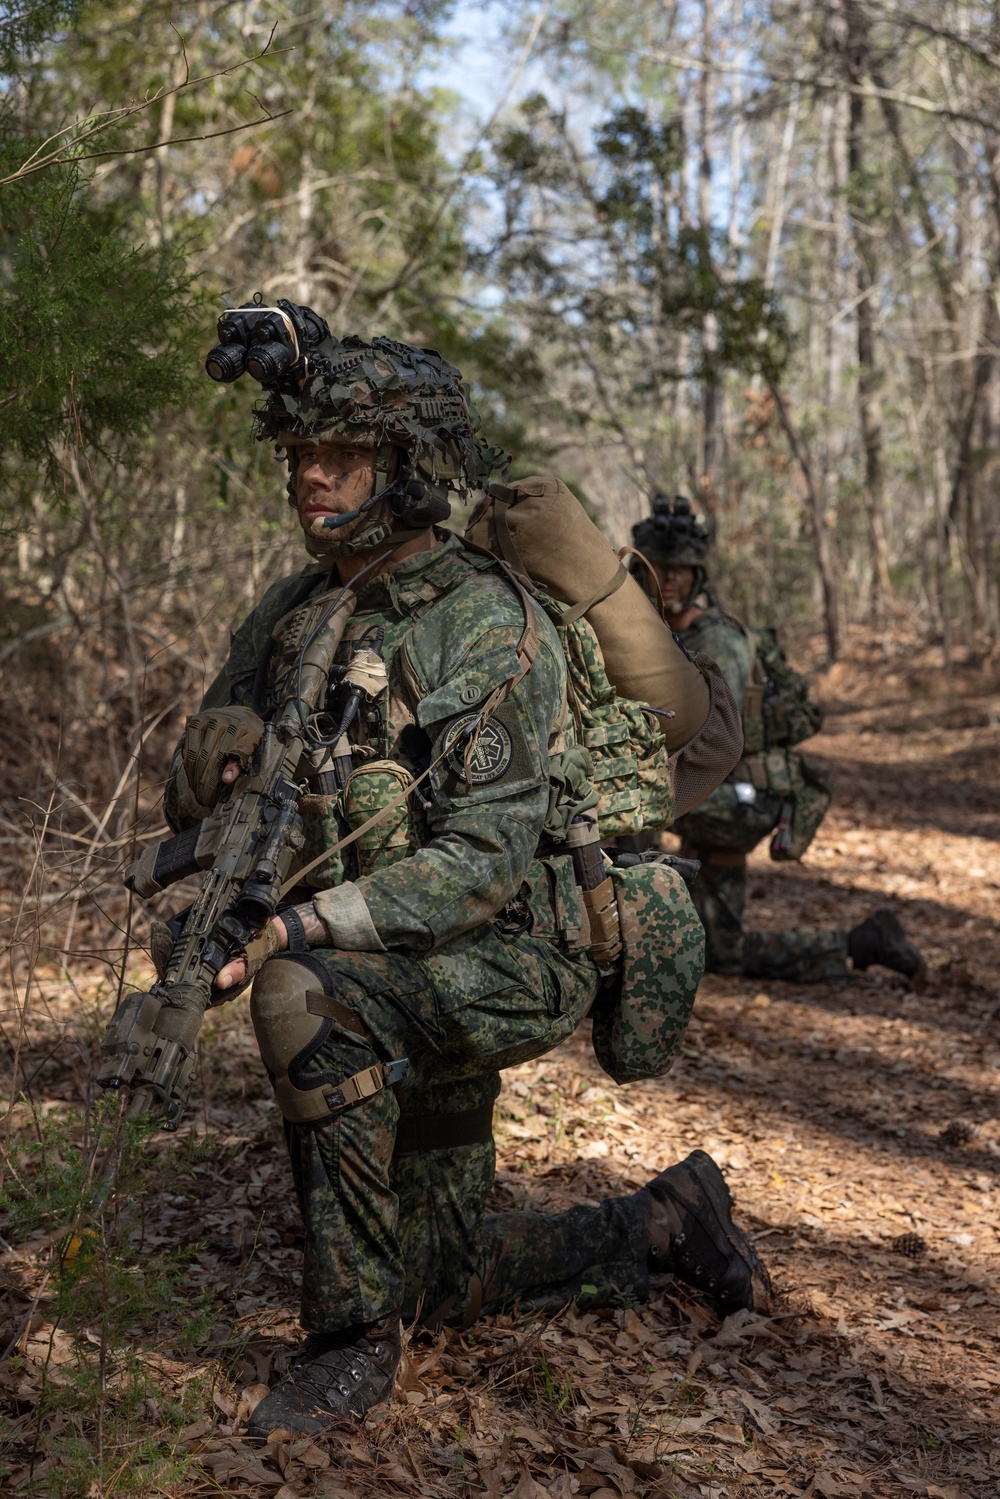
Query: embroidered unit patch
{"type": "Point", "coordinates": [493, 753]}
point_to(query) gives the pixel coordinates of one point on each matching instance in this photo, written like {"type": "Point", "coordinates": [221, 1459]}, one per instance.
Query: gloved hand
{"type": "Point", "coordinates": [213, 738]}
{"type": "Point", "coordinates": [236, 976]}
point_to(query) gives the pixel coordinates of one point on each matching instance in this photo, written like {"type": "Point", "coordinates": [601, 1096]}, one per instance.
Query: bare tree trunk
{"type": "Point", "coordinates": [941, 526]}
{"type": "Point", "coordinates": [175, 551]}
{"type": "Point", "coordinates": [963, 500]}
{"type": "Point", "coordinates": [869, 376]}
{"type": "Point", "coordinates": [301, 268]}
{"type": "Point", "coordinates": [734, 238]}
{"type": "Point", "coordinates": [710, 332]}
{"type": "Point", "coordinates": [826, 356]}
{"type": "Point", "coordinates": [821, 539]}
{"type": "Point", "coordinates": [779, 190]}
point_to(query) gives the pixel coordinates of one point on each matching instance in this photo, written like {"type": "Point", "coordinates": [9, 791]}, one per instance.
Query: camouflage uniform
{"type": "Point", "coordinates": [393, 1206]}
{"type": "Point", "coordinates": [722, 830]}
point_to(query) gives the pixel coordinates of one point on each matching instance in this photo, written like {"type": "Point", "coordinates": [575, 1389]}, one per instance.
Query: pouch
{"type": "Point", "coordinates": [371, 787]}
{"type": "Point", "coordinates": [642, 1013]}
{"type": "Point", "coordinates": [555, 902]}
{"type": "Point", "coordinates": [323, 828]}
{"type": "Point", "coordinates": [811, 793]}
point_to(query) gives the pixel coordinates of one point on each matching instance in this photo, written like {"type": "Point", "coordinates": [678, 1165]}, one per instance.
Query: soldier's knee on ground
{"type": "Point", "coordinates": [294, 1020]}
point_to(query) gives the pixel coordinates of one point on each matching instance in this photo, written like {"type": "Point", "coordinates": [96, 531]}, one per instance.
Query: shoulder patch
{"type": "Point", "coordinates": [493, 753]}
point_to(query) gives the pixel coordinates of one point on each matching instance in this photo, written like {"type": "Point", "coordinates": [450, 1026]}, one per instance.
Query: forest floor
{"type": "Point", "coordinates": [850, 1120]}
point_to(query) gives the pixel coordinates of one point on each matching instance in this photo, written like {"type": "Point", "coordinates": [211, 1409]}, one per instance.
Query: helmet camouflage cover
{"type": "Point", "coordinates": [390, 397]}
{"type": "Point", "coordinates": [672, 534]}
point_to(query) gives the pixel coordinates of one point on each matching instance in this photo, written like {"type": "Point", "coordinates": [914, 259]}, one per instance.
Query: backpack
{"type": "Point", "coordinates": [777, 710]}
{"type": "Point", "coordinates": [631, 772]}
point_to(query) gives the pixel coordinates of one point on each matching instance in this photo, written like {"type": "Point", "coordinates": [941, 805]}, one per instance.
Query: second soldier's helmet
{"type": "Point", "coordinates": [409, 405]}
{"type": "Point", "coordinates": [672, 534]}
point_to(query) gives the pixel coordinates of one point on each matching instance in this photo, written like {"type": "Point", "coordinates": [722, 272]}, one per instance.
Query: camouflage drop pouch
{"type": "Point", "coordinates": [641, 1015]}
{"type": "Point", "coordinates": [812, 793]}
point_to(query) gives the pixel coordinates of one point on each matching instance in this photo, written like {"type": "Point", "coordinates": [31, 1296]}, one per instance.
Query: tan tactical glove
{"type": "Point", "coordinates": [210, 739]}
{"type": "Point", "coordinates": [255, 954]}
{"type": "Point", "coordinates": [161, 945]}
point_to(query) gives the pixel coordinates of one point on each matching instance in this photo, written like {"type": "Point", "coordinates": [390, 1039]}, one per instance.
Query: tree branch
{"type": "Point", "coordinates": [86, 129]}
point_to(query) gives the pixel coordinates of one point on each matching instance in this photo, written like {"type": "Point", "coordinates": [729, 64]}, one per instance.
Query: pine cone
{"type": "Point", "coordinates": [958, 1132]}
{"type": "Point", "coordinates": [912, 1245]}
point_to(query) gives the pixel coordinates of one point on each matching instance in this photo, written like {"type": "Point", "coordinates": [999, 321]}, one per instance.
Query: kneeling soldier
{"type": "Point", "coordinates": [774, 790]}
{"type": "Point", "coordinates": [434, 949]}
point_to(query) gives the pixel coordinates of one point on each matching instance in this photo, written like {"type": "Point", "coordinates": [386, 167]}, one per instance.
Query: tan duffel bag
{"type": "Point", "coordinates": [541, 530]}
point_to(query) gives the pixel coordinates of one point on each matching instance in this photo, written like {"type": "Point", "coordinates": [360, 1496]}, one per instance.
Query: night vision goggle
{"type": "Point", "coordinates": [272, 344]}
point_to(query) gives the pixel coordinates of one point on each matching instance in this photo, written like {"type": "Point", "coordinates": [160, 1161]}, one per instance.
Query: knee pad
{"type": "Point", "coordinates": [292, 1018]}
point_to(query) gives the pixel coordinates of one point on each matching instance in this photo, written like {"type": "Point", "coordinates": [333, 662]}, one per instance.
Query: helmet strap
{"type": "Point", "coordinates": [697, 587]}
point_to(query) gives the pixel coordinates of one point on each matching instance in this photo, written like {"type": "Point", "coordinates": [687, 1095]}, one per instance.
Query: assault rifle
{"type": "Point", "coordinates": [150, 1046]}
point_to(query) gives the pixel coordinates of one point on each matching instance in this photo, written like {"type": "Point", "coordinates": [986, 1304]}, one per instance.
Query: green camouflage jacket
{"type": "Point", "coordinates": [728, 644]}
{"type": "Point", "coordinates": [458, 622]}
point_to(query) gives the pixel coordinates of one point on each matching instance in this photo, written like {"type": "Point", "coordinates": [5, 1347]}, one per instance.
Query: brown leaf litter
{"type": "Point", "coordinates": [833, 1111]}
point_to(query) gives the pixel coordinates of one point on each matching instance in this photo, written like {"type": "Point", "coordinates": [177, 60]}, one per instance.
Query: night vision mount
{"type": "Point", "coordinates": [274, 345]}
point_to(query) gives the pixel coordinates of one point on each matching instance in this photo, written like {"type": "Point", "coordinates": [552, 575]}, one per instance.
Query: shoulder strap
{"type": "Point", "coordinates": [753, 696]}
{"type": "Point", "coordinates": [574, 612]}
{"type": "Point", "coordinates": [657, 597]}
{"type": "Point", "coordinates": [504, 539]}
{"type": "Point", "coordinates": [526, 649]}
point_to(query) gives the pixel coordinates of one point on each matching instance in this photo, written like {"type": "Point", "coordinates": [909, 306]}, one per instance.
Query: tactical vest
{"type": "Point", "coordinates": [626, 760]}
{"type": "Point", "coordinates": [777, 710]}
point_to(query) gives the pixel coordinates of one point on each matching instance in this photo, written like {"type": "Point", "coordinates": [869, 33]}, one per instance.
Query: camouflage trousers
{"type": "Point", "coordinates": [728, 827]}
{"type": "Point", "coordinates": [808, 957]}
{"type": "Point", "coordinates": [389, 1230]}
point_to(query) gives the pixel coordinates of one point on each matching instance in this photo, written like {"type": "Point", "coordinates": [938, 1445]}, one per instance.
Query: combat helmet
{"type": "Point", "coordinates": [409, 405]}
{"type": "Point", "coordinates": [673, 534]}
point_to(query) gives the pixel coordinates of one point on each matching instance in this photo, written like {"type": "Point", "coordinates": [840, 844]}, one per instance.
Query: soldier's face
{"type": "Point", "coordinates": [330, 479]}
{"type": "Point", "coordinates": [676, 584]}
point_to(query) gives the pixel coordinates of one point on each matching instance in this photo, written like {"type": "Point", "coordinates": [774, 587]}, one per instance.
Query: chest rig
{"type": "Point", "coordinates": [367, 783]}
{"type": "Point", "coordinates": [350, 774]}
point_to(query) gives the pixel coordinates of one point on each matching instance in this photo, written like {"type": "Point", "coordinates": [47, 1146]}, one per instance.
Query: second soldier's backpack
{"type": "Point", "coordinates": [777, 709]}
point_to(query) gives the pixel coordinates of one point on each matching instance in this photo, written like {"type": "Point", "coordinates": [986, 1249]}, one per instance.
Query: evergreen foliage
{"type": "Point", "coordinates": [94, 329]}
{"type": "Point", "coordinates": [614, 281]}
{"type": "Point", "coordinates": [93, 323]}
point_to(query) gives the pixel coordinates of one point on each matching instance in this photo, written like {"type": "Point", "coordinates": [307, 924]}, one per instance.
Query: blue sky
{"type": "Point", "coordinates": [480, 65]}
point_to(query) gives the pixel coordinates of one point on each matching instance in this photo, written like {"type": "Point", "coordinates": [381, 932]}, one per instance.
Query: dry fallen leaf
{"type": "Point", "coordinates": [225, 1403]}
{"type": "Point", "coordinates": [528, 1488]}
{"type": "Point", "coordinates": [833, 1486]}
{"type": "Point", "coordinates": [492, 1482]}
{"type": "Point", "coordinates": [249, 1400]}
{"type": "Point", "coordinates": [195, 1430]}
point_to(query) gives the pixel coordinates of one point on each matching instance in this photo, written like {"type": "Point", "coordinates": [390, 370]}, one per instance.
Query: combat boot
{"type": "Point", "coordinates": [335, 1375]}
{"type": "Point", "coordinates": [691, 1234]}
{"type": "Point", "coordinates": [880, 938]}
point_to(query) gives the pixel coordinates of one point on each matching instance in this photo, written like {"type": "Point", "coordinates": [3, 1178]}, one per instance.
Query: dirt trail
{"type": "Point", "coordinates": [878, 1374]}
